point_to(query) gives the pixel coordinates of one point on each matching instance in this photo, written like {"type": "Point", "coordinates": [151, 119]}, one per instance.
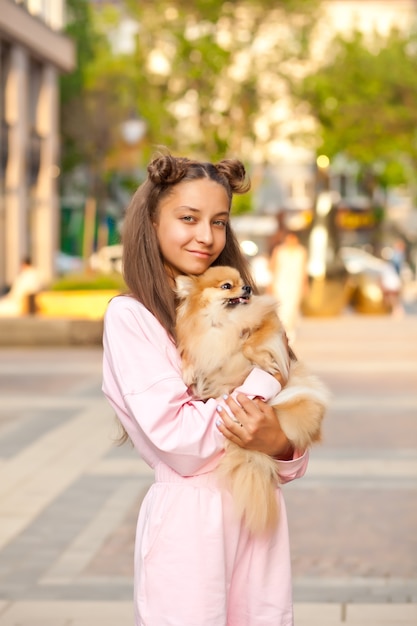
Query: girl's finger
{"type": "Point", "coordinates": [239, 407]}
{"type": "Point", "coordinates": [229, 422]}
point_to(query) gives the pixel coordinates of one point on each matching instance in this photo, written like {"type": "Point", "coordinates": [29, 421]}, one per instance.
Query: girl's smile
{"type": "Point", "coordinates": [191, 226]}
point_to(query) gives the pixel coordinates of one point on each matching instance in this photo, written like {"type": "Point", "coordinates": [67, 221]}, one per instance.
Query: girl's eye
{"type": "Point", "coordinates": [221, 223]}
{"type": "Point", "coordinates": [226, 286]}
{"type": "Point", "coordinates": [187, 218]}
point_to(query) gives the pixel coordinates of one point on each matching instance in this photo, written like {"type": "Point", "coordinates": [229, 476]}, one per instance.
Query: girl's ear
{"type": "Point", "coordinates": [183, 286]}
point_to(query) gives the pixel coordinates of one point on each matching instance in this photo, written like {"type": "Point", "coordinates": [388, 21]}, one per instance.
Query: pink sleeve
{"type": "Point", "coordinates": [143, 383]}
{"type": "Point", "coordinates": [259, 383]}
{"type": "Point", "coordinates": [296, 468]}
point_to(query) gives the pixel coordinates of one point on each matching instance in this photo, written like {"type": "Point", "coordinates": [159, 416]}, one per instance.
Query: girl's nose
{"type": "Point", "coordinates": [204, 233]}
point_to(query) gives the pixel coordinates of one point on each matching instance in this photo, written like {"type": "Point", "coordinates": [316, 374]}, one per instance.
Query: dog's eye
{"type": "Point", "coordinates": [226, 286]}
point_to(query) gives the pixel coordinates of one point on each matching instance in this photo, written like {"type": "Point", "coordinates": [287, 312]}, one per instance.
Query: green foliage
{"type": "Point", "coordinates": [199, 74]}
{"type": "Point", "coordinates": [89, 281]}
{"type": "Point", "coordinates": [95, 98]}
{"type": "Point", "coordinates": [242, 204]}
{"type": "Point", "coordinates": [364, 98]}
{"type": "Point", "coordinates": [80, 29]}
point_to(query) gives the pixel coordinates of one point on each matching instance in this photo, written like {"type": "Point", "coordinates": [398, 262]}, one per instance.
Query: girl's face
{"type": "Point", "coordinates": [191, 226]}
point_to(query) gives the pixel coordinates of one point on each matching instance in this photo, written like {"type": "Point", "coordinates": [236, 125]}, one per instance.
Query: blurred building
{"type": "Point", "coordinates": [33, 53]}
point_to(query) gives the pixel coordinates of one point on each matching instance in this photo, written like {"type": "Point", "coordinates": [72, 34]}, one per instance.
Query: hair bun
{"type": "Point", "coordinates": [234, 171]}
{"type": "Point", "coordinates": [166, 169]}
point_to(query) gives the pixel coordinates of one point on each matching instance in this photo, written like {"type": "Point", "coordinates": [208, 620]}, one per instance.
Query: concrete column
{"type": "Point", "coordinates": [3, 146]}
{"type": "Point", "coordinates": [46, 203]}
{"type": "Point", "coordinates": [15, 187]}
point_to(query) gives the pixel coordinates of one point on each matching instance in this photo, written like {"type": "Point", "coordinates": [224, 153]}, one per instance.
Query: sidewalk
{"type": "Point", "coordinates": [120, 613]}
{"type": "Point", "coordinates": [69, 497]}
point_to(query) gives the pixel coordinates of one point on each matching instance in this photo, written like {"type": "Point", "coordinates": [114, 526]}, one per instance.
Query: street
{"type": "Point", "coordinates": [353, 517]}
{"type": "Point", "coordinates": [69, 496]}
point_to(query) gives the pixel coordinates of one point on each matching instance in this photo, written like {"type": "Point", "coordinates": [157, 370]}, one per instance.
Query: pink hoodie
{"type": "Point", "coordinates": [190, 550]}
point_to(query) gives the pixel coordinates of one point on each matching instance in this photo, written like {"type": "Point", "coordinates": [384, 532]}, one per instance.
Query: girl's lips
{"type": "Point", "coordinates": [200, 254]}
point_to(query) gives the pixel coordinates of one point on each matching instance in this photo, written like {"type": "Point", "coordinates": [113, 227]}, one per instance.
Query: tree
{"type": "Point", "coordinates": [364, 98]}
{"type": "Point", "coordinates": [79, 27]}
{"type": "Point", "coordinates": [94, 102]}
{"type": "Point", "coordinates": [209, 73]}
{"type": "Point", "coordinates": [95, 98]}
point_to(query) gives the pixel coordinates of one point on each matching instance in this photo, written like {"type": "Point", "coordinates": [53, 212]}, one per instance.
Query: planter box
{"type": "Point", "coordinates": [83, 304]}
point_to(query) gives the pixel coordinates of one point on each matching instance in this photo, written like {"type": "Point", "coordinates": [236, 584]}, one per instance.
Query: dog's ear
{"type": "Point", "coordinates": [183, 286]}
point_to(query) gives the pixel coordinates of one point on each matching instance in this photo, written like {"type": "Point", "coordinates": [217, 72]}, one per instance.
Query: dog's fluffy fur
{"type": "Point", "coordinates": [224, 331]}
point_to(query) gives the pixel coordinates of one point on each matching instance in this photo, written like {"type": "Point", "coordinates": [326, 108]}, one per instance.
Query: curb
{"type": "Point", "coordinates": [42, 331]}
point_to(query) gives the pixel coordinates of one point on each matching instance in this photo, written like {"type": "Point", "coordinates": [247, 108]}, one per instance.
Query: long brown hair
{"type": "Point", "coordinates": [143, 265]}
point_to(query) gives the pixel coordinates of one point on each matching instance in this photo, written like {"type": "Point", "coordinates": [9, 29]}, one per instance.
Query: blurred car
{"type": "Point", "coordinates": [373, 281]}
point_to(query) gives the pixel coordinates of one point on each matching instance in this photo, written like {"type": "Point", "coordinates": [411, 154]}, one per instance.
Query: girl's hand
{"type": "Point", "coordinates": [254, 426]}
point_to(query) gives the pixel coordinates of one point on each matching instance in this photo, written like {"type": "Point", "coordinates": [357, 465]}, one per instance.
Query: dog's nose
{"type": "Point", "coordinates": [247, 289]}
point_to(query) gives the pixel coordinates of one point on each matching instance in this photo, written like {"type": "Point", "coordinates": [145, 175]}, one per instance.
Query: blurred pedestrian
{"type": "Point", "coordinates": [261, 272]}
{"type": "Point", "coordinates": [28, 282]}
{"type": "Point", "coordinates": [391, 289]}
{"type": "Point", "coordinates": [289, 279]}
{"type": "Point", "coordinates": [398, 255]}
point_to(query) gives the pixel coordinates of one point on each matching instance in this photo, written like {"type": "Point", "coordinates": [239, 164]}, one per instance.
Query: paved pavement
{"type": "Point", "coordinates": [69, 497]}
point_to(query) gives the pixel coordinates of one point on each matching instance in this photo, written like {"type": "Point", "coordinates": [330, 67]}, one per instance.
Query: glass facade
{"type": "Point", "coordinates": [34, 50]}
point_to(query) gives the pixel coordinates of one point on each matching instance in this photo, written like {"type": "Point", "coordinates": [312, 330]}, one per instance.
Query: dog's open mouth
{"type": "Point", "coordinates": [240, 300]}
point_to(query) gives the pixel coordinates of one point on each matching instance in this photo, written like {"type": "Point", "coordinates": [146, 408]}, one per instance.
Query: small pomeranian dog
{"type": "Point", "coordinates": [223, 332]}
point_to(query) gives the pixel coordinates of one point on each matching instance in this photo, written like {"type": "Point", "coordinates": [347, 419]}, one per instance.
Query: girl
{"type": "Point", "coordinates": [195, 563]}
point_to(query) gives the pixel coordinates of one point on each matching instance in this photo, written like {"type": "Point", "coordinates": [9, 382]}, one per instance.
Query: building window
{"type": "Point", "coordinates": [4, 128]}
{"type": "Point", "coordinates": [51, 12]}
